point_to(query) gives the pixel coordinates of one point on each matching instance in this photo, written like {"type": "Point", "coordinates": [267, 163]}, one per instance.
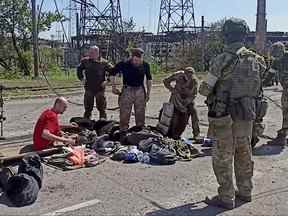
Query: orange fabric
{"type": "Point", "coordinates": [77, 156]}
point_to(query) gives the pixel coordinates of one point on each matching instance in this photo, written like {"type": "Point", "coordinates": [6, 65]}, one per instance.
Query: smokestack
{"type": "Point", "coordinates": [261, 27]}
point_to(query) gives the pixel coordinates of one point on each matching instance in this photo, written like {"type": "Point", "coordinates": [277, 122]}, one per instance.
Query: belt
{"type": "Point", "coordinates": [133, 87]}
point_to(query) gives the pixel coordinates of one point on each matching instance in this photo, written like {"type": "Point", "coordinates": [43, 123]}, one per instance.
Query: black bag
{"type": "Point", "coordinates": [83, 122]}
{"type": "Point", "coordinates": [162, 155]}
{"type": "Point", "coordinates": [106, 127]}
{"type": "Point", "coordinates": [134, 138]}
{"type": "Point", "coordinates": [22, 189]}
{"type": "Point", "coordinates": [31, 165]}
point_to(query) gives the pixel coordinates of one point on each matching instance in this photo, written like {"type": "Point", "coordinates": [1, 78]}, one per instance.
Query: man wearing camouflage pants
{"type": "Point", "coordinates": [232, 84]}
{"type": "Point", "coordinates": [93, 78]}
{"type": "Point", "coordinates": [133, 92]}
{"type": "Point", "coordinates": [182, 97]}
{"type": "Point", "coordinates": [280, 66]}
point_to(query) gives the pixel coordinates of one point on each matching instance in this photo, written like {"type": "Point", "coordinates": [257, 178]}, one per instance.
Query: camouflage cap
{"type": "Point", "coordinates": [235, 26]}
{"type": "Point", "coordinates": [189, 70]}
{"type": "Point", "coordinates": [138, 52]}
{"type": "Point", "coordinates": [277, 49]}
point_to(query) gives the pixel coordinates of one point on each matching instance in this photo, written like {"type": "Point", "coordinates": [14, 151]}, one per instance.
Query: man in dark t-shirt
{"type": "Point", "coordinates": [133, 92]}
{"type": "Point", "coordinates": [92, 72]}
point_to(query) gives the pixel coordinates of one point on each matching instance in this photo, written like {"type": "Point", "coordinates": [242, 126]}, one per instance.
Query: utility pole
{"type": "Point", "coordinates": [261, 27]}
{"type": "Point", "coordinates": [203, 42]}
{"type": "Point", "coordinates": [35, 39]}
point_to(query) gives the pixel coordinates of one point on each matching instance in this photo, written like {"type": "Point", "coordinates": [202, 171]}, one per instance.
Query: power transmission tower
{"type": "Point", "coordinates": [101, 26]}
{"type": "Point", "coordinates": [176, 23]}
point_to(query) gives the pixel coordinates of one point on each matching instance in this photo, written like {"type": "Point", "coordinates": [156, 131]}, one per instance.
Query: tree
{"type": "Point", "coordinates": [16, 27]}
{"type": "Point", "coordinates": [129, 25]}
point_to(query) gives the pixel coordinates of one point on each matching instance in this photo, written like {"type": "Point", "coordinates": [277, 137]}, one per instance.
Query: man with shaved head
{"type": "Point", "coordinates": [47, 131]}
{"type": "Point", "coordinates": [92, 72]}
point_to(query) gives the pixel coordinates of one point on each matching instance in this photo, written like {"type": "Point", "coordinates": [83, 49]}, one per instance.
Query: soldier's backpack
{"type": "Point", "coordinates": [134, 138]}
{"type": "Point", "coordinates": [245, 85]}
{"type": "Point", "coordinates": [106, 127]}
{"type": "Point", "coordinates": [83, 122]}
{"type": "Point", "coordinates": [165, 118]}
{"type": "Point", "coordinates": [162, 155]}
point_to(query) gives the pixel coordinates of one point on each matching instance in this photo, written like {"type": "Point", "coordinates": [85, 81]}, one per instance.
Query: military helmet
{"type": "Point", "coordinates": [235, 29]}
{"type": "Point", "coordinates": [277, 49]}
{"type": "Point", "coordinates": [190, 70]}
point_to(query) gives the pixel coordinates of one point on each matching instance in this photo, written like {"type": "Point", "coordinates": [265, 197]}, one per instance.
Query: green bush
{"type": "Point", "coordinates": [55, 72]}
{"type": "Point", "coordinates": [10, 75]}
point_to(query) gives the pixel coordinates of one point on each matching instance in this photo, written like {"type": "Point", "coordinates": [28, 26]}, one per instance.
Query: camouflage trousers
{"type": "Point", "coordinates": [180, 121]}
{"type": "Point", "coordinates": [284, 103]}
{"type": "Point", "coordinates": [101, 103]}
{"type": "Point", "coordinates": [233, 145]}
{"type": "Point", "coordinates": [132, 96]}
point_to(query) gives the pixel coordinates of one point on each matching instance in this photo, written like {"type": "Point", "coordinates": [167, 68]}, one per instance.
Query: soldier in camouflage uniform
{"type": "Point", "coordinates": [182, 97]}
{"type": "Point", "coordinates": [231, 87]}
{"type": "Point", "coordinates": [280, 66]}
{"type": "Point", "coordinates": [133, 92]}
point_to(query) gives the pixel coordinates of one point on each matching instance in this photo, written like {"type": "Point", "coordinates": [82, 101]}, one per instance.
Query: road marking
{"type": "Point", "coordinates": [73, 208]}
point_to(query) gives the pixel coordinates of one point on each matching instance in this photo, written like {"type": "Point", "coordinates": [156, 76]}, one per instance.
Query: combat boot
{"type": "Point", "coordinates": [243, 198]}
{"type": "Point", "coordinates": [122, 136]}
{"type": "Point", "coordinates": [217, 202]}
{"type": "Point", "coordinates": [102, 115]}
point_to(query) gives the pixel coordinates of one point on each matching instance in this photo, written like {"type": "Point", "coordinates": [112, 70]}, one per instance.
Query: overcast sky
{"type": "Point", "coordinates": [146, 12]}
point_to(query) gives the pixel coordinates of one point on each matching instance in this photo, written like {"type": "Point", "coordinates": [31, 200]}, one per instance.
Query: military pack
{"type": "Point", "coordinates": [245, 85]}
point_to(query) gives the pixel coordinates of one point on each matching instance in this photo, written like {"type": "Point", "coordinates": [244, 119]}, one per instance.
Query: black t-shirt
{"type": "Point", "coordinates": [95, 73]}
{"type": "Point", "coordinates": [132, 75]}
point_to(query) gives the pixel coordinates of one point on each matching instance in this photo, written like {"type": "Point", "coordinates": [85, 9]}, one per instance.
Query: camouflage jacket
{"type": "Point", "coordinates": [281, 67]}
{"type": "Point", "coordinates": [222, 68]}
{"type": "Point", "coordinates": [186, 86]}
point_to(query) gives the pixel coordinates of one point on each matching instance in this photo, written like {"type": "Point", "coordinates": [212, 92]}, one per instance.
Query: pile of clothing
{"type": "Point", "coordinates": [145, 144]}
{"type": "Point", "coordinates": [72, 158]}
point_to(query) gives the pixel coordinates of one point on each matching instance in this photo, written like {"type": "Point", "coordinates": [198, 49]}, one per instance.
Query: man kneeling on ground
{"type": "Point", "coordinates": [47, 131]}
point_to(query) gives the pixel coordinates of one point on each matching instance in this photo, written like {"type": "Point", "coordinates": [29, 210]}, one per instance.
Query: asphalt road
{"type": "Point", "coordinates": [114, 188]}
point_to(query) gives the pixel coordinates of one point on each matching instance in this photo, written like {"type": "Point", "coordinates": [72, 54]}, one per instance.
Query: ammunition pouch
{"type": "Point", "coordinates": [243, 109]}
{"type": "Point", "coordinates": [218, 104]}
{"type": "Point", "coordinates": [217, 108]}
{"type": "Point", "coordinates": [261, 108]}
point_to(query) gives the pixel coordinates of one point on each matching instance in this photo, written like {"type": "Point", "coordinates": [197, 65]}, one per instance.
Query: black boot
{"type": "Point", "coordinates": [243, 198]}
{"type": "Point", "coordinates": [217, 202]}
{"type": "Point", "coordinates": [123, 137]}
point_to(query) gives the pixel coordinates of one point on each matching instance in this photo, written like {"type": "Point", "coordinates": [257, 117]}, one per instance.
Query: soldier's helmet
{"type": "Point", "coordinates": [277, 50]}
{"type": "Point", "coordinates": [235, 29]}
{"type": "Point", "coordinates": [190, 70]}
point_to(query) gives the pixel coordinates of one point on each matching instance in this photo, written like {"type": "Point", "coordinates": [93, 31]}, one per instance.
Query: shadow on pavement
{"type": "Point", "coordinates": [188, 210]}
{"type": "Point", "coordinates": [267, 150]}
